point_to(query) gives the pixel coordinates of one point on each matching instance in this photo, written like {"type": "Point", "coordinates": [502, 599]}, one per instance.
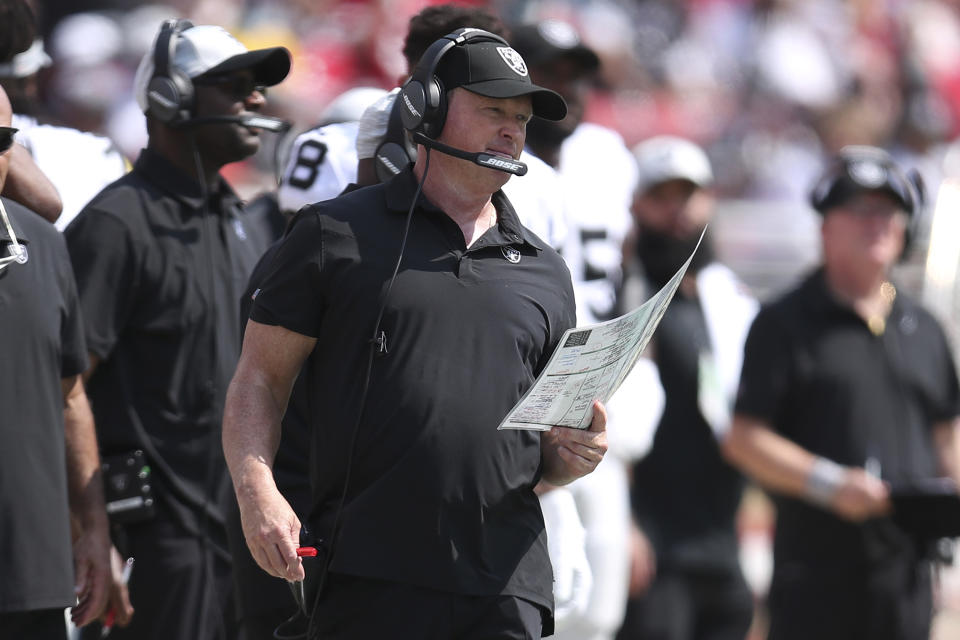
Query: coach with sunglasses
{"type": "Point", "coordinates": [161, 257]}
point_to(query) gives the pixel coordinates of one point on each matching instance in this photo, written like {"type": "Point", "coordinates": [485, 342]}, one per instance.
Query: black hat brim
{"type": "Point", "coordinates": [546, 104]}
{"type": "Point", "coordinates": [270, 66]}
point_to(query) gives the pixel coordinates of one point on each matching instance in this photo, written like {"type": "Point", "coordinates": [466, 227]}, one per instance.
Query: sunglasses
{"type": "Point", "coordinates": [6, 138]}
{"type": "Point", "coordinates": [236, 85]}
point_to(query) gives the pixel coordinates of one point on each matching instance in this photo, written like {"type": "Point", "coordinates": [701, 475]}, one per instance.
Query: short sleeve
{"type": "Point", "coordinates": [765, 373]}
{"type": "Point", "coordinates": [290, 293]}
{"type": "Point", "coordinates": [105, 265]}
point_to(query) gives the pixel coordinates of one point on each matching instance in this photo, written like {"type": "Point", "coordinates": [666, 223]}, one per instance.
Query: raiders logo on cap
{"type": "Point", "coordinates": [869, 174]}
{"type": "Point", "coordinates": [513, 60]}
{"type": "Point", "coordinates": [511, 254]}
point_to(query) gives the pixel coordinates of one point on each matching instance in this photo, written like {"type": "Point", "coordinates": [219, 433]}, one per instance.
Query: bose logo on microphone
{"type": "Point", "coordinates": [412, 109]}
{"type": "Point", "coordinates": [498, 163]}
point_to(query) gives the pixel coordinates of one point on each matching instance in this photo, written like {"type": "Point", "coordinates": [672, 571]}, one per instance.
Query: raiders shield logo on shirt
{"type": "Point", "coordinates": [511, 254]}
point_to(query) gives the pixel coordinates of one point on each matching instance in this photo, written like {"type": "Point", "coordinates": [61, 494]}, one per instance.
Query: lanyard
{"type": "Point", "coordinates": [16, 249]}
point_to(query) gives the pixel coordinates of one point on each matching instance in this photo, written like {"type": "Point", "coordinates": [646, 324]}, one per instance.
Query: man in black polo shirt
{"type": "Point", "coordinates": [161, 257]}
{"type": "Point", "coordinates": [54, 537]}
{"type": "Point", "coordinates": [848, 390]}
{"type": "Point", "coordinates": [440, 534]}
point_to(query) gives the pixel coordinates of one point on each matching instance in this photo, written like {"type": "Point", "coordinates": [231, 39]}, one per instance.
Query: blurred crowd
{"type": "Point", "coordinates": [769, 90]}
{"type": "Point", "coordinates": [767, 87]}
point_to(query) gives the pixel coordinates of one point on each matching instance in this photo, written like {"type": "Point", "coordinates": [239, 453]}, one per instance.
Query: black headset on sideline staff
{"type": "Point", "coordinates": [170, 92]}
{"type": "Point", "coordinates": [422, 106]}
{"type": "Point", "coordinates": [861, 167]}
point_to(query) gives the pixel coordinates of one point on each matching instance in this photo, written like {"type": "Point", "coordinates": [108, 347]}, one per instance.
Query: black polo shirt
{"type": "Point", "coordinates": [814, 371]}
{"type": "Point", "coordinates": [41, 342]}
{"type": "Point", "coordinates": [160, 275]}
{"type": "Point", "coordinates": [437, 496]}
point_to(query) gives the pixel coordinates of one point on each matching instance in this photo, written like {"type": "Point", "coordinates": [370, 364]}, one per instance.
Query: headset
{"type": "Point", "coordinates": [422, 102]}
{"type": "Point", "coordinates": [391, 155]}
{"type": "Point", "coordinates": [859, 166]}
{"type": "Point", "coordinates": [170, 93]}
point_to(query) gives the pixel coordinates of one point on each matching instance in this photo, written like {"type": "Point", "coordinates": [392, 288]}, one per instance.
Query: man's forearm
{"type": "Point", "coordinates": [946, 437]}
{"type": "Point", "coordinates": [29, 186]}
{"type": "Point", "coordinates": [767, 457]}
{"type": "Point", "coordinates": [257, 397]}
{"type": "Point", "coordinates": [251, 434]}
{"type": "Point", "coordinates": [83, 462]}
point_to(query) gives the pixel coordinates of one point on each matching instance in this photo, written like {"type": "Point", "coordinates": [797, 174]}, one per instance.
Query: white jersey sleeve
{"type": "Point", "coordinates": [78, 163]}
{"type": "Point", "coordinates": [322, 162]}
{"type": "Point", "coordinates": [599, 174]}
{"type": "Point", "coordinates": [538, 200]}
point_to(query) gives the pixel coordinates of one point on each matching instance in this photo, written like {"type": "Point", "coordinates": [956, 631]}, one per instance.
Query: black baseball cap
{"type": "Point", "coordinates": [496, 70]}
{"type": "Point", "coordinates": [551, 40]}
{"type": "Point", "coordinates": [859, 168]}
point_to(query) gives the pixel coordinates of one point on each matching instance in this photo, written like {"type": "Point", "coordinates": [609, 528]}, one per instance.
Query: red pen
{"type": "Point", "coordinates": [111, 612]}
{"type": "Point", "coordinates": [307, 552]}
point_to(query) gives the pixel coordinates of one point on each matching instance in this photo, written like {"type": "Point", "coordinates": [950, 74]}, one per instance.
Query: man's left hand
{"type": "Point", "coordinates": [91, 560]}
{"type": "Point", "coordinates": [569, 454]}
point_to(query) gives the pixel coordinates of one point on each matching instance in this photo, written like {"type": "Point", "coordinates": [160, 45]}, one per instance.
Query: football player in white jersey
{"type": "Point", "coordinates": [323, 160]}
{"type": "Point", "coordinates": [593, 161]}
{"type": "Point", "coordinates": [599, 173]}
{"type": "Point", "coordinates": [78, 163]}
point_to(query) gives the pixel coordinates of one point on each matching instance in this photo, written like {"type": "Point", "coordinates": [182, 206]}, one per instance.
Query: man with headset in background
{"type": "Point", "coordinates": [849, 395]}
{"type": "Point", "coordinates": [161, 257]}
{"type": "Point", "coordinates": [424, 511]}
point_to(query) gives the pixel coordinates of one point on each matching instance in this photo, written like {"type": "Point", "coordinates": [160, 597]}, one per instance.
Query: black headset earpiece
{"type": "Point", "coordinates": [170, 91]}
{"type": "Point", "coordinates": [915, 180]}
{"type": "Point", "coordinates": [391, 155]}
{"type": "Point", "coordinates": [422, 99]}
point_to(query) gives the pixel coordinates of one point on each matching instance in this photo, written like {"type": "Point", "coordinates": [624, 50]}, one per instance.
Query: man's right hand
{"type": "Point", "coordinates": [861, 496]}
{"type": "Point", "coordinates": [272, 531]}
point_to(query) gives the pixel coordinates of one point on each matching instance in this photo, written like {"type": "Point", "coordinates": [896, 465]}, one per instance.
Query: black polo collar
{"type": "Point", "coordinates": [822, 301]}
{"type": "Point", "coordinates": [180, 186]}
{"type": "Point", "coordinates": [401, 189]}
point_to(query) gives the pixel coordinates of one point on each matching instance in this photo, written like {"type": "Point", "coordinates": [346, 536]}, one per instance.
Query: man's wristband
{"type": "Point", "coordinates": [823, 482]}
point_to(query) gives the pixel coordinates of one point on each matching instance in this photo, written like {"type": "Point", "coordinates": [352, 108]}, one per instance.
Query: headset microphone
{"type": "Point", "coordinates": [266, 123]}
{"type": "Point", "coordinates": [483, 159]}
